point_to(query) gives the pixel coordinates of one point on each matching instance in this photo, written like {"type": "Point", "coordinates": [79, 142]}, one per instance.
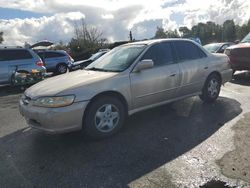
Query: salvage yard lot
{"type": "Point", "coordinates": [186, 143]}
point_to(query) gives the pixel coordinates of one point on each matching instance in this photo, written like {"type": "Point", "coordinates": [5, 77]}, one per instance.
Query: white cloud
{"type": "Point", "coordinates": [54, 28]}
{"type": "Point", "coordinates": [107, 16]}
{"type": "Point", "coordinates": [116, 17]}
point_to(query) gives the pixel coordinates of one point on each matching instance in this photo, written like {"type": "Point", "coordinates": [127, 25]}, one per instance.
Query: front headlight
{"type": "Point", "coordinates": [54, 102]}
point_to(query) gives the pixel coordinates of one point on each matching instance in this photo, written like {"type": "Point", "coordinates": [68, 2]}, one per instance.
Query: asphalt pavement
{"type": "Point", "coordinates": [182, 144]}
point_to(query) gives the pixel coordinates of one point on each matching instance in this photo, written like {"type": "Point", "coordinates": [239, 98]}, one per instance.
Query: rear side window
{"type": "Point", "coordinates": [188, 51]}
{"type": "Point", "coordinates": [160, 53]}
{"type": "Point", "coordinates": [53, 54]}
{"type": "Point", "coordinates": [10, 55]}
{"type": "Point", "coordinates": [40, 54]}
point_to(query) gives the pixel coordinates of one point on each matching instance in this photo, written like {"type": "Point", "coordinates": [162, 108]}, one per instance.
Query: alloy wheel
{"type": "Point", "coordinates": [107, 118]}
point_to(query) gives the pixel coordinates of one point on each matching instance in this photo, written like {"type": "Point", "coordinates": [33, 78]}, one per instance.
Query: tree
{"type": "Point", "coordinates": [87, 40]}
{"type": "Point", "coordinates": [60, 46]}
{"type": "Point", "coordinates": [242, 31]}
{"type": "Point", "coordinates": [185, 32]}
{"type": "Point", "coordinates": [160, 33]}
{"type": "Point", "coordinates": [1, 37]}
{"type": "Point", "coordinates": [229, 31]}
{"type": "Point", "coordinates": [172, 34]}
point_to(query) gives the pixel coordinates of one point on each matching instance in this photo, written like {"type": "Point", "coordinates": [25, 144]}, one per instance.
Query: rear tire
{"type": "Point", "coordinates": [211, 89]}
{"type": "Point", "coordinates": [61, 68]}
{"type": "Point", "coordinates": [104, 117]}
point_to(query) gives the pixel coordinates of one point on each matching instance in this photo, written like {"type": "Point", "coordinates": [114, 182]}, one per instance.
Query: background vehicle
{"type": "Point", "coordinates": [240, 54]}
{"type": "Point", "coordinates": [217, 47]}
{"type": "Point", "coordinates": [81, 64]}
{"type": "Point", "coordinates": [128, 79]}
{"type": "Point", "coordinates": [17, 59]}
{"type": "Point", "coordinates": [56, 61]}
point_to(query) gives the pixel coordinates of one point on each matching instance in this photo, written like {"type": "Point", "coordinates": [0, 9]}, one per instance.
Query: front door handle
{"type": "Point", "coordinates": [205, 67]}
{"type": "Point", "coordinates": [172, 75]}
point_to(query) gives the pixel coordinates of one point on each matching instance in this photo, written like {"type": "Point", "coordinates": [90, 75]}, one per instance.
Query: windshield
{"type": "Point", "coordinates": [212, 47]}
{"type": "Point", "coordinates": [118, 59]}
{"type": "Point", "coordinates": [246, 38]}
{"type": "Point", "coordinates": [96, 56]}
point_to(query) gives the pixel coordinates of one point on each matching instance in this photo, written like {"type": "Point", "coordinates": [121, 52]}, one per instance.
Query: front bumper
{"type": "Point", "coordinates": [226, 75]}
{"type": "Point", "coordinates": [54, 120]}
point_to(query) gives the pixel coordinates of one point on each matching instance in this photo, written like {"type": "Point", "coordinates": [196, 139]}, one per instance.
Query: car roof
{"type": "Point", "coordinates": [220, 43]}
{"type": "Point", "coordinates": [56, 51]}
{"type": "Point", "coordinates": [12, 48]}
{"type": "Point", "coordinates": [152, 41]}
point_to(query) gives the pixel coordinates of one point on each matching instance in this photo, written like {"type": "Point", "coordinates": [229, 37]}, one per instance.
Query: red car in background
{"type": "Point", "coordinates": [239, 54]}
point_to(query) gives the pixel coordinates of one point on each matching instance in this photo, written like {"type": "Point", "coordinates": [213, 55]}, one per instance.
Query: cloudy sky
{"type": "Point", "coordinates": [34, 20]}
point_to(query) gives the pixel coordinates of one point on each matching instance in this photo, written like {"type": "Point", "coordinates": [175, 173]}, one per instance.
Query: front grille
{"type": "Point", "coordinates": [26, 100]}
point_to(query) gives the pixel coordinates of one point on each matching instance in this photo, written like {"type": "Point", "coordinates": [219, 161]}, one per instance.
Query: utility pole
{"type": "Point", "coordinates": [130, 36]}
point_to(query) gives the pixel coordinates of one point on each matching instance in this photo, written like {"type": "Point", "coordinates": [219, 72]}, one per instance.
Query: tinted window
{"type": "Point", "coordinates": [225, 46]}
{"type": "Point", "coordinates": [161, 54]}
{"type": "Point", "coordinates": [9, 55]}
{"type": "Point", "coordinates": [53, 54]}
{"type": "Point", "coordinates": [188, 51]}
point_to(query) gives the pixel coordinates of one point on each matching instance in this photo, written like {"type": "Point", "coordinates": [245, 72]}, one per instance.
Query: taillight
{"type": "Point", "coordinates": [70, 58]}
{"type": "Point", "coordinates": [39, 63]}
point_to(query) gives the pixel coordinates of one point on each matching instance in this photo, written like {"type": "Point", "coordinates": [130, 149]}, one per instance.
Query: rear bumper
{"type": "Point", "coordinates": [226, 75]}
{"type": "Point", "coordinates": [54, 120]}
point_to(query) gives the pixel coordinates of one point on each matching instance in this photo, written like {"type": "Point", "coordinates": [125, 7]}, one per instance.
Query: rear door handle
{"type": "Point", "coordinates": [172, 75]}
{"type": "Point", "coordinates": [205, 67]}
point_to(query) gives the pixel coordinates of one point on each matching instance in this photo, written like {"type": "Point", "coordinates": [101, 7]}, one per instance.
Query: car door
{"type": "Point", "coordinates": [3, 68]}
{"type": "Point", "coordinates": [157, 84]}
{"type": "Point", "coordinates": [193, 67]}
{"type": "Point", "coordinates": [52, 59]}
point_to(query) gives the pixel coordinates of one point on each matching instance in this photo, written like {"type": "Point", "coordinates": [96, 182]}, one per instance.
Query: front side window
{"type": "Point", "coordinates": [188, 51]}
{"type": "Point", "coordinates": [161, 54]}
{"type": "Point", "coordinates": [118, 59]}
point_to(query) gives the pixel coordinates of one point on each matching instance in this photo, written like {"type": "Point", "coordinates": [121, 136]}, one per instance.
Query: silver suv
{"type": "Point", "coordinates": [56, 61]}
{"type": "Point", "coordinates": [14, 59]}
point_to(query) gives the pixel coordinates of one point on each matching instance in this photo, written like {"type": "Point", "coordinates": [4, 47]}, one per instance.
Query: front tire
{"type": "Point", "coordinates": [211, 89]}
{"type": "Point", "coordinates": [104, 117]}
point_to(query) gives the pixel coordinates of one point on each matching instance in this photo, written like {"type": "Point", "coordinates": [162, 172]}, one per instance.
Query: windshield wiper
{"type": "Point", "coordinates": [103, 70]}
{"type": "Point", "coordinates": [97, 69]}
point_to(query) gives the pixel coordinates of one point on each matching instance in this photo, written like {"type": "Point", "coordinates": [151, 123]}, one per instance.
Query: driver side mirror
{"type": "Point", "coordinates": [144, 64]}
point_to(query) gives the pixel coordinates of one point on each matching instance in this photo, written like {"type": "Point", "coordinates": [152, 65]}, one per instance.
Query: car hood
{"type": "Point", "coordinates": [240, 45]}
{"type": "Point", "coordinates": [55, 85]}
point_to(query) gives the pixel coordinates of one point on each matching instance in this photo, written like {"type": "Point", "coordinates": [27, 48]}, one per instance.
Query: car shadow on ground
{"type": "Point", "coordinates": [149, 139]}
{"type": "Point", "coordinates": [9, 90]}
{"type": "Point", "coordinates": [242, 78]}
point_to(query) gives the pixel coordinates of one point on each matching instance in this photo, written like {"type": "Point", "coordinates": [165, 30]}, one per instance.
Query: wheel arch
{"type": "Point", "coordinates": [217, 73]}
{"type": "Point", "coordinates": [61, 63]}
{"type": "Point", "coordinates": [115, 94]}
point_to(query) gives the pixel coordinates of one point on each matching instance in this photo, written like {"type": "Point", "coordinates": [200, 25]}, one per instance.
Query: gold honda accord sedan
{"type": "Point", "coordinates": [128, 79]}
